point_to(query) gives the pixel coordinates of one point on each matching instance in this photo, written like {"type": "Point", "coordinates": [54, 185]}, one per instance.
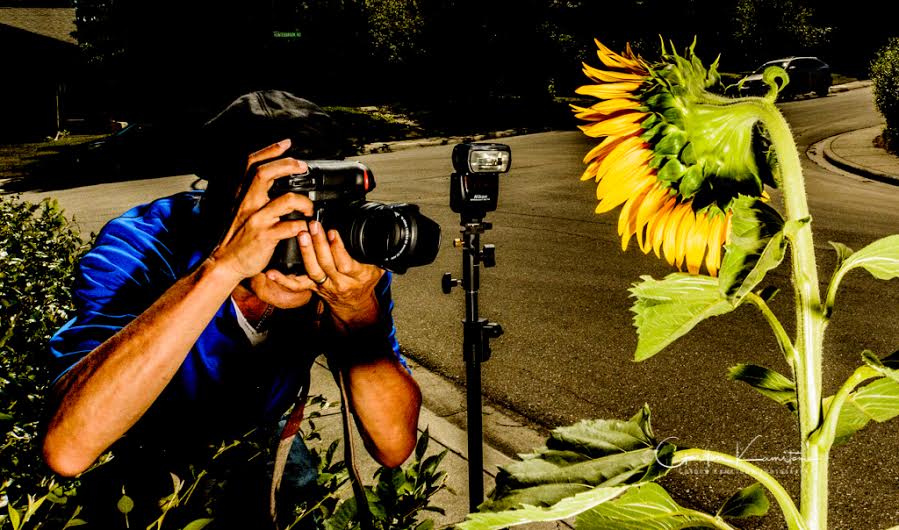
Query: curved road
{"type": "Point", "coordinates": [560, 291]}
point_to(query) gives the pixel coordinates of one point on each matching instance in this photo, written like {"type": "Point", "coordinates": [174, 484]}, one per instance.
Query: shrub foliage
{"type": "Point", "coordinates": [885, 75]}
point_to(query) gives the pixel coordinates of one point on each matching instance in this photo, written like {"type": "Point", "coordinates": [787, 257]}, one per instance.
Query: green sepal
{"type": "Point", "coordinates": [671, 144]}
{"type": "Point", "coordinates": [688, 154]}
{"type": "Point", "coordinates": [671, 171]}
{"type": "Point", "coordinates": [650, 122]}
{"type": "Point", "coordinates": [649, 134]}
{"type": "Point", "coordinates": [660, 101]}
{"type": "Point", "coordinates": [674, 116]}
{"type": "Point", "coordinates": [658, 161]}
{"type": "Point", "coordinates": [756, 245]}
{"type": "Point", "coordinates": [692, 182]}
{"type": "Point", "coordinates": [750, 501]}
{"type": "Point", "coordinates": [767, 382]}
{"type": "Point", "coordinates": [667, 309]}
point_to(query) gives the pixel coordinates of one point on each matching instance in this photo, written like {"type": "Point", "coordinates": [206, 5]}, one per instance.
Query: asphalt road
{"type": "Point", "coordinates": [560, 292]}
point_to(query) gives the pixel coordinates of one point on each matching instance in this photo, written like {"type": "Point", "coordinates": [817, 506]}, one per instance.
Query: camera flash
{"type": "Point", "coordinates": [482, 158]}
{"type": "Point", "coordinates": [489, 161]}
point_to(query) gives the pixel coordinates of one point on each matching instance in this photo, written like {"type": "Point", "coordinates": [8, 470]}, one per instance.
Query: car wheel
{"type": "Point", "coordinates": [822, 90]}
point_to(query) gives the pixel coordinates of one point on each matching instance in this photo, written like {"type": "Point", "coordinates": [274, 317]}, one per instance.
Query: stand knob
{"type": "Point", "coordinates": [448, 282]}
{"type": "Point", "coordinates": [488, 256]}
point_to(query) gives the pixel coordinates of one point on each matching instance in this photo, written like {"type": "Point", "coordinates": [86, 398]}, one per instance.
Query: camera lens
{"type": "Point", "coordinates": [393, 236]}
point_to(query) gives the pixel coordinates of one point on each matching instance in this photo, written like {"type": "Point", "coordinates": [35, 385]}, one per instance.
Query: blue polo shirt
{"type": "Point", "coordinates": [225, 386]}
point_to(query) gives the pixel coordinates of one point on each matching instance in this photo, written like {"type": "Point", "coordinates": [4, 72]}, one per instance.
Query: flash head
{"type": "Point", "coordinates": [481, 158]}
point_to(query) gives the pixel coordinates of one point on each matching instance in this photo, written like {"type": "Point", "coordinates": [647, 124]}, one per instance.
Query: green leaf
{"type": "Point", "coordinates": [644, 507]}
{"type": "Point", "coordinates": [877, 364]}
{"type": "Point", "coordinates": [125, 504]}
{"type": "Point", "coordinates": [748, 502]}
{"type": "Point", "coordinates": [668, 309]}
{"type": "Point", "coordinates": [880, 258]}
{"type": "Point", "coordinates": [567, 507]}
{"type": "Point", "coordinates": [422, 445]}
{"type": "Point", "coordinates": [878, 401]}
{"type": "Point", "coordinates": [14, 517]}
{"type": "Point", "coordinates": [197, 524]}
{"type": "Point", "coordinates": [595, 438]}
{"type": "Point", "coordinates": [767, 382]}
{"type": "Point", "coordinates": [843, 252]}
{"type": "Point", "coordinates": [756, 245]}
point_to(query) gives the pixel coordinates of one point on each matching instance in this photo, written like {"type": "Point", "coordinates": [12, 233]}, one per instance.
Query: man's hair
{"type": "Point", "coordinates": [249, 123]}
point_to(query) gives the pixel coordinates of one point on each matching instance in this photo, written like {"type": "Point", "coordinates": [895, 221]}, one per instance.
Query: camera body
{"type": "Point", "coordinates": [391, 236]}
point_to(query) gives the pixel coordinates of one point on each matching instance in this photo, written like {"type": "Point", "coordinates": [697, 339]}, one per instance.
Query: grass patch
{"type": "Point", "coordinates": [22, 159]}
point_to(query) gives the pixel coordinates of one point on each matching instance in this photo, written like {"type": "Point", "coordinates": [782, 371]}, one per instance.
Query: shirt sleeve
{"type": "Point", "coordinates": [120, 277]}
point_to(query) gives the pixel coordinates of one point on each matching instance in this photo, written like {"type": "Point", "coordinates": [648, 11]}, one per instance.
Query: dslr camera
{"type": "Point", "coordinates": [391, 236]}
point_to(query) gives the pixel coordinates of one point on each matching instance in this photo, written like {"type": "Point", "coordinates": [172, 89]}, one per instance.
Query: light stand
{"type": "Point", "coordinates": [474, 189]}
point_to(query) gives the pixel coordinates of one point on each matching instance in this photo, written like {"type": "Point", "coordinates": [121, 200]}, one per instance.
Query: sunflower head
{"type": "Point", "coordinates": [672, 152]}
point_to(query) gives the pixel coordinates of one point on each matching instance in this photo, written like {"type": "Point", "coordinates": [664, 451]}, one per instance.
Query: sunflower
{"type": "Point", "coordinates": [672, 154]}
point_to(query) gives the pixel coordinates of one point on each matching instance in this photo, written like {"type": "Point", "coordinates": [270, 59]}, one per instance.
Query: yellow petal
{"type": "Point", "coordinates": [650, 204]}
{"type": "Point", "coordinates": [626, 189]}
{"type": "Point", "coordinates": [713, 258]}
{"type": "Point", "coordinates": [683, 232]}
{"type": "Point", "coordinates": [696, 243]}
{"type": "Point", "coordinates": [634, 163]}
{"type": "Point", "coordinates": [624, 89]}
{"type": "Point", "coordinates": [620, 125]}
{"type": "Point", "coordinates": [606, 76]}
{"type": "Point", "coordinates": [613, 60]}
{"type": "Point", "coordinates": [610, 106]}
{"type": "Point", "coordinates": [590, 172]}
{"type": "Point", "coordinates": [655, 231]}
{"type": "Point", "coordinates": [605, 147]}
{"type": "Point", "coordinates": [611, 150]}
{"type": "Point", "coordinates": [626, 224]}
{"type": "Point", "coordinates": [669, 245]}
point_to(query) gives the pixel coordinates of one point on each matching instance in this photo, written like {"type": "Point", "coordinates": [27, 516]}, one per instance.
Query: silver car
{"type": "Point", "coordinates": [807, 74]}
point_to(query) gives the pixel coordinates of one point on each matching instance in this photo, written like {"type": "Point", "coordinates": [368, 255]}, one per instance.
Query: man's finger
{"type": "Point", "coordinates": [266, 153]}
{"type": "Point", "coordinates": [310, 260]}
{"type": "Point", "coordinates": [285, 204]}
{"type": "Point", "coordinates": [291, 283]}
{"type": "Point", "coordinates": [322, 249]}
{"type": "Point", "coordinates": [342, 259]}
{"type": "Point", "coordinates": [257, 194]}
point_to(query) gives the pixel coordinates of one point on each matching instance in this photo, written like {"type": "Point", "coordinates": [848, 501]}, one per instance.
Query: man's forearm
{"type": "Point", "coordinates": [386, 401]}
{"type": "Point", "coordinates": [105, 393]}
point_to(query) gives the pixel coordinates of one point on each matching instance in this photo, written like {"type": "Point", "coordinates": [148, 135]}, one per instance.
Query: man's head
{"type": "Point", "coordinates": [248, 124]}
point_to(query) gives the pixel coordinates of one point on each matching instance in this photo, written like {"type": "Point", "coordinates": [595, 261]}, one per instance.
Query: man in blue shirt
{"type": "Point", "coordinates": [183, 335]}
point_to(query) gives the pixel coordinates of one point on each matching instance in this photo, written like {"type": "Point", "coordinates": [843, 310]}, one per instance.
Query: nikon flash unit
{"type": "Point", "coordinates": [474, 186]}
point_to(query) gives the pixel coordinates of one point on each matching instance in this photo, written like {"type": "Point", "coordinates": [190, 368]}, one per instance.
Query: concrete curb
{"type": "Point", "coordinates": [848, 165]}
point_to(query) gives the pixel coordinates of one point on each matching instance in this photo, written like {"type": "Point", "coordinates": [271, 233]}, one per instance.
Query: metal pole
{"type": "Point", "coordinates": [473, 353]}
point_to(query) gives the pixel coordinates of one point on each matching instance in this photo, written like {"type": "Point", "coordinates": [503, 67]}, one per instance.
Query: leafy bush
{"type": "Point", "coordinates": [39, 249]}
{"type": "Point", "coordinates": [885, 74]}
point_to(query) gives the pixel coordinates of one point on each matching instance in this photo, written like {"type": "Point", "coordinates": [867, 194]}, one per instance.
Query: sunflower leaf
{"type": "Point", "coordinates": [757, 245]}
{"type": "Point", "coordinates": [668, 309]}
{"type": "Point", "coordinates": [748, 502]}
{"type": "Point", "coordinates": [880, 258]}
{"type": "Point", "coordinates": [645, 507]}
{"type": "Point", "coordinates": [567, 507]}
{"type": "Point", "coordinates": [767, 382]}
{"type": "Point", "coordinates": [878, 401]}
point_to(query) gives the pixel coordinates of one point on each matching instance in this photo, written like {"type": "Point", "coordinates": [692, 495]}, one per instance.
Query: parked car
{"type": "Point", "coordinates": [139, 149]}
{"type": "Point", "coordinates": [807, 74]}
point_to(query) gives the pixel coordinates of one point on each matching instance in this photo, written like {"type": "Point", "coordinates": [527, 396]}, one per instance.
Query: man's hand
{"type": "Point", "coordinates": [257, 227]}
{"type": "Point", "coordinates": [346, 285]}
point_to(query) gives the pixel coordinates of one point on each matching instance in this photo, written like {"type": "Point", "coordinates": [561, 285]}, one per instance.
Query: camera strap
{"type": "Point", "coordinates": [288, 434]}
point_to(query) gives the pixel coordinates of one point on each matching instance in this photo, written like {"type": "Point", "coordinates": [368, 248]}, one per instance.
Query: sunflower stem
{"type": "Point", "coordinates": [810, 321]}
{"type": "Point", "coordinates": [792, 516]}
